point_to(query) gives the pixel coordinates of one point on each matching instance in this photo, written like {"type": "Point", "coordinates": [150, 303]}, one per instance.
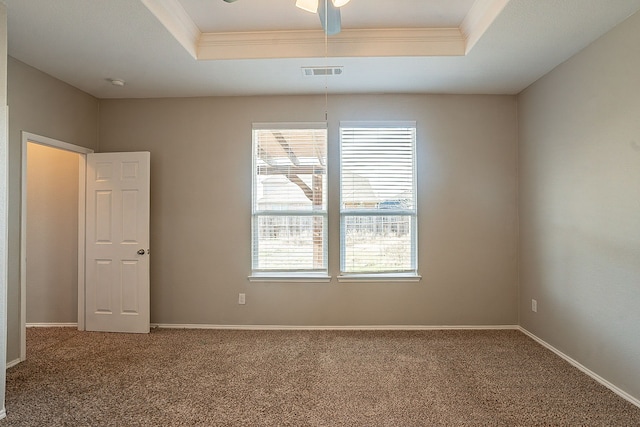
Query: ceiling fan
{"type": "Point", "coordinates": [327, 10]}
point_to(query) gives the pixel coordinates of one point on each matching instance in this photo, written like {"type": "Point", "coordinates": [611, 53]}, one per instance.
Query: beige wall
{"type": "Point", "coordinates": [201, 191]}
{"type": "Point", "coordinates": [52, 235]}
{"type": "Point", "coordinates": [43, 105]}
{"type": "Point", "coordinates": [580, 207]}
{"type": "Point", "coordinates": [201, 158]}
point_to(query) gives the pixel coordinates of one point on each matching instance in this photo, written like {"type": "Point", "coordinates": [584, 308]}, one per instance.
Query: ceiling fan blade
{"type": "Point", "coordinates": [308, 5]}
{"type": "Point", "coordinates": [329, 17]}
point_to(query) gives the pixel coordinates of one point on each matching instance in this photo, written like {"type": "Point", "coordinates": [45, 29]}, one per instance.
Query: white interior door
{"type": "Point", "coordinates": [117, 242]}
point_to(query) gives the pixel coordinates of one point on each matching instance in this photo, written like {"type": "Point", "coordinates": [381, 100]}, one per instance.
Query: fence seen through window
{"type": "Point", "coordinates": [289, 198]}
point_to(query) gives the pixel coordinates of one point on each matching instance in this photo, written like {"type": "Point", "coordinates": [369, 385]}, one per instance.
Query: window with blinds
{"type": "Point", "coordinates": [378, 198]}
{"type": "Point", "coordinates": [289, 214]}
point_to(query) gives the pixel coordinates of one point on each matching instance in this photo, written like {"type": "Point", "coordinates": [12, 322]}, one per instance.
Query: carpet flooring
{"type": "Point", "coordinates": [302, 378]}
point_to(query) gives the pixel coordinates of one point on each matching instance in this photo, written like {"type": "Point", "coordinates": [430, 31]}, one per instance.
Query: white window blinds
{"type": "Point", "coordinates": [289, 215]}
{"type": "Point", "coordinates": [378, 198]}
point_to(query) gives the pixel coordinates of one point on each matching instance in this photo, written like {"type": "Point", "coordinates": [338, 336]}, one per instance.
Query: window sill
{"type": "Point", "coordinates": [290, 278]}
{"type": "Point", "coordinates": [409, 277]}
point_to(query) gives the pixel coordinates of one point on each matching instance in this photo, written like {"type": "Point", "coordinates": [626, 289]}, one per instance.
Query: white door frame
{"type": "Point", "coordinates": [82, 166]}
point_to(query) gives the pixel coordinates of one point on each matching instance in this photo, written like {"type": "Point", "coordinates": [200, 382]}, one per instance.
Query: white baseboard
{"type": "Point", "coordinates": [3, 413]}
{"type": "Point", "coordinates": [583, 368]}
{"type": "Point", "coordinates": [52, 325]}
{"type": "Point", "coordinates": [336, 328]}
{"type": "Point", "coordinates": [13, 363]}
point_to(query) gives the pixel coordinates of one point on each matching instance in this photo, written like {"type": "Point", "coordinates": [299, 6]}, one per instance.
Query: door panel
{"type": "Point", "coordinates": [117, 260]}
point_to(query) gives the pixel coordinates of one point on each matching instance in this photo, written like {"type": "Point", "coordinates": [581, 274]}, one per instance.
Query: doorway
{"type": "Point", "coordinates": [52, 233]}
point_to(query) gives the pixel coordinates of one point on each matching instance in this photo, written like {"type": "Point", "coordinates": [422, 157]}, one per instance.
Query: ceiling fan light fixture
{"type": "Point", "coordinates": [340, 3]}
{"type": "Point", "coordinates": [308, 5]}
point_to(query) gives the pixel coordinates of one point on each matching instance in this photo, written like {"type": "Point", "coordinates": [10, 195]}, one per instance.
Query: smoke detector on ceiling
{"type": "Point", "coordinates": [321, 71]}
{"type": "Point", "coordinates": [116, 82]}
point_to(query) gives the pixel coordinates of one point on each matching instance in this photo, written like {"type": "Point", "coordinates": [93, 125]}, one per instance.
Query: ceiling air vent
{"type": "Point", "coordinates": [321, 71]}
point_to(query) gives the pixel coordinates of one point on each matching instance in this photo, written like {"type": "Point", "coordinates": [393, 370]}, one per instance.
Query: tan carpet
{"type": "Point", "coordinates": [302, 378]}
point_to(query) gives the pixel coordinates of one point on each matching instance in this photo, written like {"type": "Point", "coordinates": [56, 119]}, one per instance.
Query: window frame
{"type": "Point", "coordinates": [293, 274]}
{"type": "Point", "coordinates": [412, 274]}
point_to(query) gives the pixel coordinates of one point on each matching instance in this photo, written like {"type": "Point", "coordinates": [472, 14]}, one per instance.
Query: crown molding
{"type": "Point", "coordinates": [349, 43]}
{"type": "Point", "coordinates": [479, 19]}
{"type": "Point", "coordinates": [177, 21]}
{"type": "Point", "coordinates": [383, 42]}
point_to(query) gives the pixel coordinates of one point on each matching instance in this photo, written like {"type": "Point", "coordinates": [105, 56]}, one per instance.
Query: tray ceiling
{"type": "Point", "coordinates": [175, 48]}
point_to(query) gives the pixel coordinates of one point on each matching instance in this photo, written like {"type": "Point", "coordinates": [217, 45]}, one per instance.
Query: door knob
{"type": "Point", "coordinates": [140, 251]}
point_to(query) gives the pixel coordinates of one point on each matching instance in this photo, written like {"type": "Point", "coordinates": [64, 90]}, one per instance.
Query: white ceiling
{"type": "Point", "coordinates": [85, 43]}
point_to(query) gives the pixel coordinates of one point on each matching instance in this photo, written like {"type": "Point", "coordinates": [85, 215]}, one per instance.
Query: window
{"type": "Point", "coordinates": [378, 198]}
{"type": "Point", "coordinates": [289, 214]}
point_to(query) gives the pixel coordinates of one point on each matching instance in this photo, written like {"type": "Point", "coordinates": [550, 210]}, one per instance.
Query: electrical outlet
{"type": "Point", "coordinates": [534, 306]}
{"type": "Point", "coordinates": [241, 298]}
